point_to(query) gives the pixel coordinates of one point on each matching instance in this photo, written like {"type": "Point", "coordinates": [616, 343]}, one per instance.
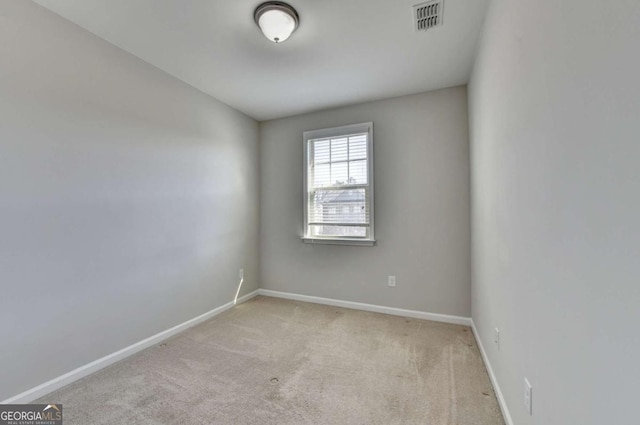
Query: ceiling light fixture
{"type": "Point", "coordinates": [277, 20]}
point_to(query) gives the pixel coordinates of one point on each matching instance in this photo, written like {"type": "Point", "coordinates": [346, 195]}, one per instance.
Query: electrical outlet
{"type": "Point", "coordinates": [241, 273]}
{"type": "Point", "coordinates": [496, 338]}
{"type": "Point", "coordinates": [527, 397]}
{"type": "Point", "coordinates": [392, 281]}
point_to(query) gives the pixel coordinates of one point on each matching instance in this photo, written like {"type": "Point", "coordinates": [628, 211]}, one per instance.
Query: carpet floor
{"type": "Point", "coordinates": [274, 361]}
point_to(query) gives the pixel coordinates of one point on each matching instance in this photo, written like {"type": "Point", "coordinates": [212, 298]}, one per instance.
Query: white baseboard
{"type": "Point", "coordinates": [494, 381]}
{"type": "Point", "coordinates": [458, 320]}
{"type": "Point", "coordinates": [82, 371]}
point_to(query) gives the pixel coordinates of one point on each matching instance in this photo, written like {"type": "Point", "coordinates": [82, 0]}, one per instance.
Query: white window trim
{"type": "Point", "coordinates": [334, 132]}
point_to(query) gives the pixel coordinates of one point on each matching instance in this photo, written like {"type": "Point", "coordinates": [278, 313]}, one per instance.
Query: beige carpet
{"type": "Point", "coordinates": [272, 361]}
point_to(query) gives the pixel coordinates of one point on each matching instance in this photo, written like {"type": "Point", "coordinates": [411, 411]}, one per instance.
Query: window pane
{"type": "Point", "coordinates": [338, 206]}
{"type": "Point", "coordinates": [358, 172]}
{"type": "Point", "coordinates": [340, 173]}
{"type": "Point", "coordinates": [358, 147]}
{"type": "Point", "coordinates": [339, 149]}
{"type": "Point", "coordinates": [321, 149]}
{"type": "Point", "coordinates": [322, 175]}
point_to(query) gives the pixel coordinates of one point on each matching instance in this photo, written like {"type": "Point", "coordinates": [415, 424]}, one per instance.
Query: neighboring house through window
{"type": "Point", "coordinates": [338, 185]}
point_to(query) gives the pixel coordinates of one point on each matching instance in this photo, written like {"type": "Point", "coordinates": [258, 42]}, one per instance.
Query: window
{"type": "Point", "coordinates": [338, 185]}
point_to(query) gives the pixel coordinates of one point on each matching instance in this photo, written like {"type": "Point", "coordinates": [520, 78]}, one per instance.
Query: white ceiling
{"type": "Point", "coordinates": [344, 52]}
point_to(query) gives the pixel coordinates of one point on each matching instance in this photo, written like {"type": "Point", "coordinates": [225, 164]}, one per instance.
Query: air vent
{"type": "Point", "coordinates": [428, 15]}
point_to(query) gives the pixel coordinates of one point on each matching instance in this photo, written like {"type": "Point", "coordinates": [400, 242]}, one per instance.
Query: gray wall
{"type": "Point", "coordinates": [421, 171]}
{"type": "Point", "coordinates": [555, 141]}
{"type": "Point", "coordinates": [129, 200]}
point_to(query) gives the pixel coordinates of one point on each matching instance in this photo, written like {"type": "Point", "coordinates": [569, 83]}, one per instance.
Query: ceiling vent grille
{"type": "Point", "coordinates": [428, 15]}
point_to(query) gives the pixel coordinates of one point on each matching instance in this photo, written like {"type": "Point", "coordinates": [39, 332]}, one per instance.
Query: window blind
{"type": "Point", "coordinates": [338, 186]}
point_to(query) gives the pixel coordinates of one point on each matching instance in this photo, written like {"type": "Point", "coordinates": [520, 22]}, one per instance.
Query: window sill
{"type": "Point", "coordinates": [356, 242]}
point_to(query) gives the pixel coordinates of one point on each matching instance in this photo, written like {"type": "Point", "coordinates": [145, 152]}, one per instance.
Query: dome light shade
{"type": "Point", "coordinates": [276, 20]}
